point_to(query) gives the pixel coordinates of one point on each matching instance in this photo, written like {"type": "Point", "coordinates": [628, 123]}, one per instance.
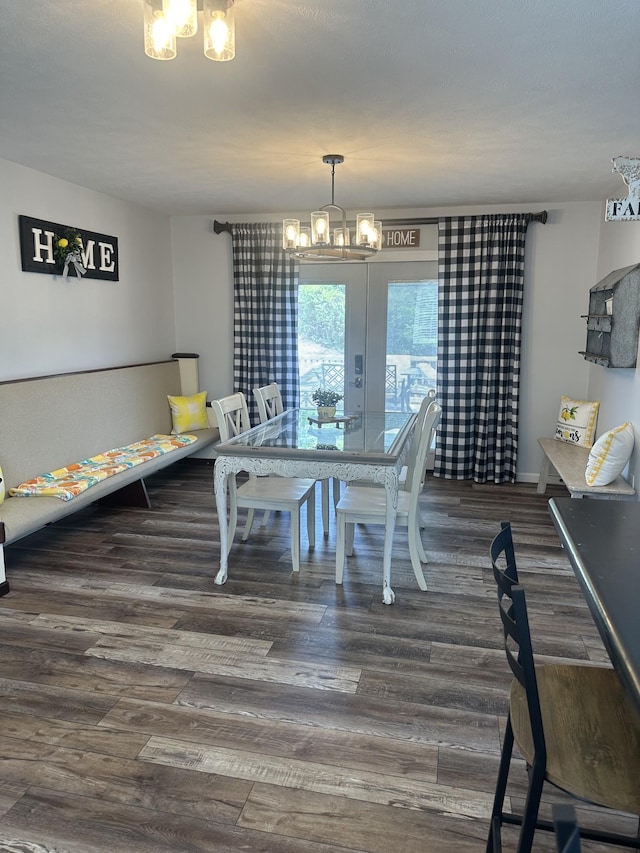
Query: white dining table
{"type": "Point", "coordinates": [366, 446]}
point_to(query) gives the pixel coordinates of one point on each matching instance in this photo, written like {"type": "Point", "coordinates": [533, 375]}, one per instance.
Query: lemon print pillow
{"type": "Point", "coordinates": [577, 421]}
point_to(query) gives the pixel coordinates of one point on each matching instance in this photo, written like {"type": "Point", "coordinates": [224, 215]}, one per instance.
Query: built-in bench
{"type": "Point", "coordinates": [49, 422]}
{"type": "Point", "coordinates": [570, 462]}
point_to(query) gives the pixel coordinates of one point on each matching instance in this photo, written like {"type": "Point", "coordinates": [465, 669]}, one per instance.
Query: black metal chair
{"type": "Point", "coordinates": [574, 725]}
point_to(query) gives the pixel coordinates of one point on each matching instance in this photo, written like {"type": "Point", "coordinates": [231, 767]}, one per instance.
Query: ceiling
{"type": "Point", "coordinates": [432, 102]}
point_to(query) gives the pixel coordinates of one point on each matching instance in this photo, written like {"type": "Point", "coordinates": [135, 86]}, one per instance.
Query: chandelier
{"type": "Point", "coordinates": [167, 20]}
{"type": "Point", "coordinates": [319, 243]}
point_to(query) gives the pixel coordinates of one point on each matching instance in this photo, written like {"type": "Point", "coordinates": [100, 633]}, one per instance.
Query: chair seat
{"type": "Point", "coordinates": [591, 730]}
{"type": "Point", "coordinates": [277, 493]}
{"type": "Point", "coordinates": [267, 492]}
{"type": "Point", "coordinates": [369, 505]}
{"type": "Point", "coordinates": [363, 503]}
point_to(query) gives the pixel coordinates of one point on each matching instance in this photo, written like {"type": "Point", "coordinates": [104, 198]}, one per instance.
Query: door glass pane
{"type": "Point", "coordinates": [321, 337]}
{"type": "Point", "coordinates": [412, 343]}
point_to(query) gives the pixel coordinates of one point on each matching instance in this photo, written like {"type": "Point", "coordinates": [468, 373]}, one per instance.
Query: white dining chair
{"type": "Point", "coordinates": [365, 505]}
{"type": "Point", "coordinates": [286, 494]}
{"type": "Point", "coordinates": [269, 401]}
{"type": "Point", "coordinates": [429, 397]}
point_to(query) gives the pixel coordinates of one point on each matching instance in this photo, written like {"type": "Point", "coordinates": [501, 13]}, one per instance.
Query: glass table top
{"type": "Point", "coordinates": [376, 437]}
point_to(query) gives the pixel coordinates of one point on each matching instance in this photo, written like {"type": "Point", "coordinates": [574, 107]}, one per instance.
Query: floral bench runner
{"type": "Point", "coordinates": [66, 483]}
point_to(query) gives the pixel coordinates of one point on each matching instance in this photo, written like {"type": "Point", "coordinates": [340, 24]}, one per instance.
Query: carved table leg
{"type": "Point", "coordinates": [391, 491]}
{"type": "Point", "coordinates": [220, 477]}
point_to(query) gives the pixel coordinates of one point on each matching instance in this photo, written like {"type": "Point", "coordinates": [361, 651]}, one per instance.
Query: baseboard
{"type": "Point", "coordinates": [4, 588]}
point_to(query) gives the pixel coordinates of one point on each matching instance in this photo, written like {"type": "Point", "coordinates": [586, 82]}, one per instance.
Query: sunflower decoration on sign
{"type": "Point", "coordinates": [67, 250]}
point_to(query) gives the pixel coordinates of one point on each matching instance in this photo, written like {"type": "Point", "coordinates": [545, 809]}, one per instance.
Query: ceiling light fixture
{"type": "Point", "coordinates": [319, 243]}
{"type": "Point", "coordinates": [167, 20]}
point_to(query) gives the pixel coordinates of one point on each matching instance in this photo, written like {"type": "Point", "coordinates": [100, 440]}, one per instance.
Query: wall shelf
{"type": "Point", "coordinates": [613, 321]}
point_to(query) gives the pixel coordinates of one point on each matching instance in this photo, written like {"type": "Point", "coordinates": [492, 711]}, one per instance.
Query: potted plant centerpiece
{"type": "Point", "coordinates": [325, 401]}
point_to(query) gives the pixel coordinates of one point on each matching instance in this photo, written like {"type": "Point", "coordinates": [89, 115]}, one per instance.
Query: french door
{"type": "Point", "coordinates": [368, 331]}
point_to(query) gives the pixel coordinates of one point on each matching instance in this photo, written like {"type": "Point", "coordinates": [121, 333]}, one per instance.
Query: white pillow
{"type": "Point", "coordinates": [577, 421]}
{"type": "Point", "coordinates": [609, 455]}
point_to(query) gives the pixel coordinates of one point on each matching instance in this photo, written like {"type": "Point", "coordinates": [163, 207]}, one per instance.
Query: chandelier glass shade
{"type": "Point", "coordinates": [165, 21]}
{"type": "Point", "coordinates": [319, 242]}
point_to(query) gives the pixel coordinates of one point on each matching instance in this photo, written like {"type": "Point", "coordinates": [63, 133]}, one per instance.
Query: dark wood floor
{"type": "Point", "coordinates": [145, 709]}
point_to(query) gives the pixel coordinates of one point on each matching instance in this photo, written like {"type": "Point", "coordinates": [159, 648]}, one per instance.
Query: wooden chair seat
{"type": "Point", "coordinates": [573, 724]}
{"type": "Point", "coordinates": [592, 734]}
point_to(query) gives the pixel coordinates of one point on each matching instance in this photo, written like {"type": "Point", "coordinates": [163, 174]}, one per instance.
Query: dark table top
{"type": "Point", "coordinates": [602, 540]}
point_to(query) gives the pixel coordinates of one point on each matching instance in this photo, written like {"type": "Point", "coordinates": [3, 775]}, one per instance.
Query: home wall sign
{"type": "Point", "coordinates": [39, 241]}
{"type": "Point", "coordinates": [626, 209]}
{"type": "Point", "coordinates": [401, 238]}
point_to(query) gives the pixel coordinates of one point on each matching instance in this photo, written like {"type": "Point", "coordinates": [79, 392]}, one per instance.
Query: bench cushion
{"type": "Point", "coordinates": [24, 516]}
{"type": "Point", "coordinates": [70, 481]}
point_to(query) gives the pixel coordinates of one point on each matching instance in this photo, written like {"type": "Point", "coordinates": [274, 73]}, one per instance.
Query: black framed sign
{"type": "Point", "coordinates": [55, 249]}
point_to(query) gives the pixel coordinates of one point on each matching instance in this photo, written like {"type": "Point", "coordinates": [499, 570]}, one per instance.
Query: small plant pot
{"type": "Point", "coordinates": [326, 412]}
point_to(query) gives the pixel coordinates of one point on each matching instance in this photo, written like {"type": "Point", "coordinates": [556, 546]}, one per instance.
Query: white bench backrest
{"type": "Point", "coordinates": [52, 421]}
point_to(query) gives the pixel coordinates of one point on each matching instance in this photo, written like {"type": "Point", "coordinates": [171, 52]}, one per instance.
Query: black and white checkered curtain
{"type": "Point", "coordinates": [265, 315]}
{"type": "Point", "coordinates": [481, 274]}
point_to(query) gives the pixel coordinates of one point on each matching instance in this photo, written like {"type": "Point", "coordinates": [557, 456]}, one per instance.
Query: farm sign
{"type": "Point", "coordinates": [626, 209]}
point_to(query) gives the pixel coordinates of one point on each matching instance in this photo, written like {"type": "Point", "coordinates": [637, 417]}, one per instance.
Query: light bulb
{"type": "Point", "coordinates": [341, 237]}
{"type": "Point", "coordinates": [161, 33]}
{"type": "Point", "coordinates": [219, 29]}
{"type": "Point", "coordinates": [290, 231]}
{"type": "Point", "coordinates": [218, 34]}
{"type": "Point", "coordinates": [182, 16]}
{"type": "Point", "coordinates": [364, 226]}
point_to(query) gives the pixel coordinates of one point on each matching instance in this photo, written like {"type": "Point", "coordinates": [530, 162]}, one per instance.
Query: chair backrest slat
{"type": "Point", "coordinates": [232, 415]}
{"type": "Point", "coordinates": [426, 424]}
{"type": "Point", "coordinates": [269, 401]}
{"type": "Point", "coordinates": [512, 606]}
{"type": "Point", "coordinates": [430, 397]}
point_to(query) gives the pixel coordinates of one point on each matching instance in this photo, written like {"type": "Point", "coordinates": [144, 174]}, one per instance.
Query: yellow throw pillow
{"type": "Point", "coordinates": [577, 421]}
{"type": "Point", "coordinates": [2, 489]}
{"type": "Point", "coordinates": [188, 413]}
{"type": "Point", "coordinates": [609, 455]}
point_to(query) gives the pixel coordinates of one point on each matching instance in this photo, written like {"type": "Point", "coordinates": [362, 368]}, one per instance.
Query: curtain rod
{"type": "Point", "coordinates": [541, 216]}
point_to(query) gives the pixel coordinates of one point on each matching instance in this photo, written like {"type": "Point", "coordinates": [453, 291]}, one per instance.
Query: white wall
{"type": "Point", "coordinates": [49, 325]}
{"type": "Point", "coordinates": [560, 263]}
{"type": "Point", "coordinates": [618, 389]}
{"type": "Point", "coordinates": [203, 294]}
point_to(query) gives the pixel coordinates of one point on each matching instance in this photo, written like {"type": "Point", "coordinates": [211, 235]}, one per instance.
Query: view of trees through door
{"type": "Point", "coordinates": [401, 335]}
